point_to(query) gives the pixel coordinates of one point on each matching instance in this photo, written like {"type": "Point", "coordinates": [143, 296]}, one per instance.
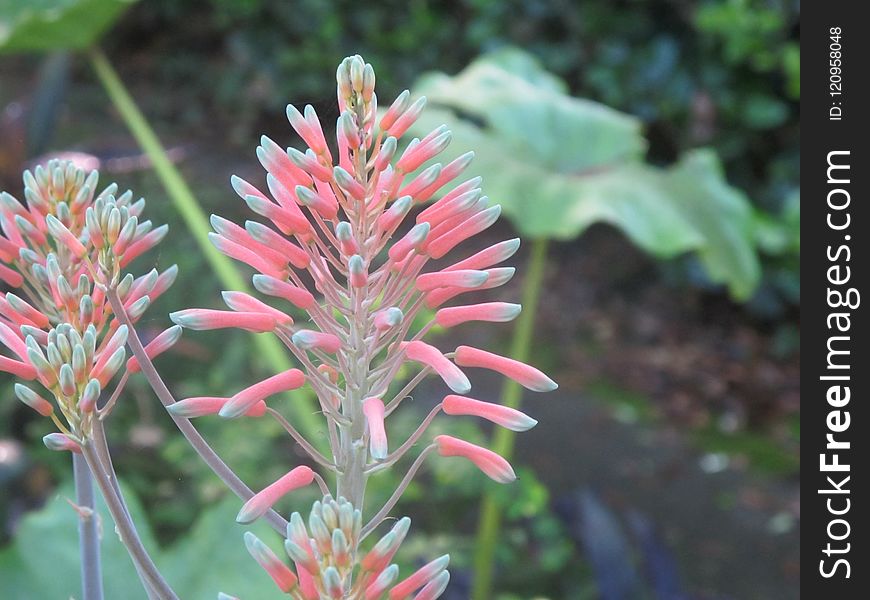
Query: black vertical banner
{"type": "Point", "coordinates": [835, 171]}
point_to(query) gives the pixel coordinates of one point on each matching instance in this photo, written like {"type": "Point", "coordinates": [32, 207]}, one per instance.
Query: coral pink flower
{"type": "Point", "coordinates": [525, 375]}
{"type": "Point", "coordinates": [373, 409]}
{"type": "Point", "coordinates": [505, 416]}
{"type": "Point", "coordinates": [263, 501]}
{"type": "Point", "coordinates": [248, 397]}
{"type": "Point", "coordinates": [331, 241]}
{"type": "Point", "coordinates": [432, 357]}
{"type": "Point", "coordinates": [201, 406]}
{"type": "Point", "coordinates": [420, 578]}
{"type": "Point", "coordinates": [495, 467]}
{"type": "Point", "coordinates": [496, 312]}
{"type": "Point", "coordinates": [280, 573]}
{"type": "Point", "coordinates": [204, 318]}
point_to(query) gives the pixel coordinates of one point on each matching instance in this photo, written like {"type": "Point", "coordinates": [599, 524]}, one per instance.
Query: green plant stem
{"type": "Point", "coordinates": [489, 523]}
{"type": "Point", "coordinates": [196, 220]}
{"type": "Point", "coordinates": [89, 536]}
{"type": "Point", "coordinates": [101, 448]}
{"type": "Point", "coordinates": [126, 529]}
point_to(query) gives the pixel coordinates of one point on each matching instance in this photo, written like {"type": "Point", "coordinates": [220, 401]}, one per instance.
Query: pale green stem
{"type": "Point", "coordinates": [195, 219]}
{"type": "Point", "coordinates": [101, 447]}
{"type": "Point", "coordinates": [489, 523]}
{"type": "Point", "coordinates": [89, 537]}
{"type": "Point", "coordinates": [126, 529]}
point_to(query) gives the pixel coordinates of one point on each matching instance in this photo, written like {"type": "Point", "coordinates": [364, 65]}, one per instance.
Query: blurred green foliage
{"type": "Point", "coordinates": [723, 74]}
{"type": "Point", "coordinates": [559, 164]}
{"type": "Point", "coordinates": [211, 559]}
{"type": "Point", "coordinates": [45, 25]}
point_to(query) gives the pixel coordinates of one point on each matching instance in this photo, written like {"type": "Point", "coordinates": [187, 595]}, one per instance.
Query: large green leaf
{"type": "Point", "coordinates": [43, 561]}
{"type": "Point", "coordinates": [559, 164]}
{"type": "Point", "coordinates": [45, 25]}
{"type": "Point", "coordinates": [526, 107]}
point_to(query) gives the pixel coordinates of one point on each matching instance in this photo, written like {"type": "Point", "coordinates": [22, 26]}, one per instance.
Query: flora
{"type": "Point", "coordinates": [340, 287]}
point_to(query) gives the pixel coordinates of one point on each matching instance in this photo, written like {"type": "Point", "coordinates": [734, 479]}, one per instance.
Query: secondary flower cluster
{"type": "Point", "coordinates": [326, 558]}
{"type": "Point", "coordinates": [60, 249]}
{"type": "Point", "coordinates": [335, 249]}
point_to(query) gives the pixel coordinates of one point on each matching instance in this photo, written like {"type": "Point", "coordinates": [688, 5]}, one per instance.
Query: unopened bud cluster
{"type": "Point", "coordinates": [62, 249]}
{"type": "Point", "coordinates": [326, 562]}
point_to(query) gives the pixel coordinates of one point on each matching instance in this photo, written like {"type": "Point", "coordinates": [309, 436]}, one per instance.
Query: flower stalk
{"type": "Point", "coordinates": [333, 245]}
{"type": "Point", "coordinates": [89, 537]}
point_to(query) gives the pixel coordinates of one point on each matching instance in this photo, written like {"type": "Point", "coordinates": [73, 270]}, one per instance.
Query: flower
{"type": "Point", "coordinates": [61, 248]}
{"type": "Point", "coordinates": [344, 281]}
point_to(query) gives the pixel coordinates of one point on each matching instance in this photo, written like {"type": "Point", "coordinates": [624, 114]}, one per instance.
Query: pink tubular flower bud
{"type": "Point", "coordinates": [373, 409]}
{"type": "Point", "coordinates": [453, 169]}
{"type": "Point", "coordinates": [296, 296]}
{"type": "Point", "coordinates": [246, 255]}
{"type": "Point", "coordinates": [143, 244]}
{"type": "Point", "coordinates": [11, 340]}
{"type": "Point", "coordinates": [348, 184]}
{"type": "Point", "coordinates": [272, 239]}
{"type": "Point", "coordinates": [443, 244]}
{"type": "Point", "coordinates": [24, 370]}
{"type": "Point", "coordinates": [326, 206]}
{"type": "Point", "coordinates": [240, 301]}
{"type": "Point", "coordinates": [411, 241]}
{"type": "Point", "coordinates": [316, 340]}
{"type": "Point", "coordinates": [201, 406]}
{"type": "Point", "coordinates": [248, 397]}
{"type": "Point", "coordinates": [430, 356]}
{"type": "Point", "coordinates": [382, 553]}
{"type": "Point", "coordinates": [60, 442]}
{"type": "Point", "coordinates": [527, 376]}
{"type": "Point", "coordinates": [415, 156]}
{"type": "Point", "coordinates": [421, 577]}
{"type": "Point", "coordinates": [397, 108]}
{"type": "Point", "coordinates": [441, 210]}
{"type": "Point", "coordinates": [33, 400]}
{"type": "Point", "coordinates": [494, 466]}
{"type": "Point", "coordinates": [434, 588]}
{"type": "Point", "coordinates": [262, 501]}
{"type": "Point", "coordinates": [356, 270]}
{"type": "Point", "coordinates": [30, 314]}
{"type": "Point", "coordinates": [494, 312]}
{"type": "Point", "coordinates": [307, 162]}
{"type": "Point", "coordinates": [488, 257]}
{"type": "Point", "coordinates": [347, 243]}
{"type": "Point", "coordinates": [243, 238]}
{"type": "Point", "coordinates": [382, 582]}
{"type": "Point", "coordinates": [497, 277]}
{"type": "Point", "coordinates": [386, 153]}
{"type": "Point", "coordinates": [277, 570]}
{"type": "Point", "coordinates": [284, 218]}
{"type": "Point", "coordinates": [394, 215]}
{"type": "Point", "coordinates": [312, 136]}
{"type": "Point", "coordinates": [307, 584]}
{"type": "Point", "coordinates": [426, 178]}
{"type": "Point", "coordinates": [10, 277]}
{"type": "Point", "coordinates": [462, 279]}
{"type": "Point", "coordinates": [277, 162]}
{"type": "Point", "coordinates": [64, 236]}
{"type": "Point", "coordinates": [406, 119]}
{"type": "Point", "coordinates": [505, 416]}
{"type": "Point", "coordinates": [204, 318]}
{"type": "Point", "coordinates": [388, 318]}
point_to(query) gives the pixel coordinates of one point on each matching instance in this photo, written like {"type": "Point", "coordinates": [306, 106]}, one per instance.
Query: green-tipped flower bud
{"type": "Point", "coordinates": [90, 395]}
{"type": "Point", "coordinates": [67, 380]}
